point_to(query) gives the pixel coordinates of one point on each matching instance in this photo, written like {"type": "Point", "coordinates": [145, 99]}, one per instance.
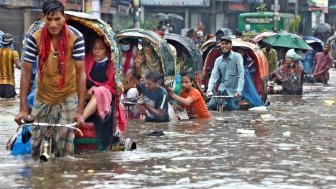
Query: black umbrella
{"type": "Point", "coordinates": [321, 28]}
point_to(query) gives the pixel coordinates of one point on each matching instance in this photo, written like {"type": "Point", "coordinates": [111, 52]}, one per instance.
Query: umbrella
{"type": "Point", "coordinates": [263, 35]}
{"type": "Point", "coordinates": [287, 40]}
{"type": "Point", "coordinates": [163, 16]}
{"type": "Point", "coordinates": [178, 17]}
{"type": "Point", "coordinates": [321, 28]}
{"type": "Point", "coordinates": [313, 42]}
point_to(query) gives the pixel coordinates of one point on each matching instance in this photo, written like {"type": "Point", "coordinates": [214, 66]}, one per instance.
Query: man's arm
{"type": "Point", "coordinates": [16, 60]}
{"type": "Point", "coordinates": [161, 104]}
{"type": "Point", "coordinates": [240, 73]}
{"type": "Point", "coordinates": [17, 64]}
{"type": "Point", "coordinates": [326, 68]}
{"type": "Point", "coordinates": [314, 63]}
{"type": "Point", "coordinates": [215, 73]}
{"type": "Point", "coordinates": [156, 112]}
{"type": "Point", "coordinates": [24, 89]}
{"type": "Point", "coordinates": [26, 73]}
{"type": "Point", "coordinates": [81, 85]}
{"type": "Point", "coordinates": [78, 54]}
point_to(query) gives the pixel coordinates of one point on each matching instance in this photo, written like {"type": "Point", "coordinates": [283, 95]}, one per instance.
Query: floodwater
{"type": "Point", "coordinates": [294, 147]}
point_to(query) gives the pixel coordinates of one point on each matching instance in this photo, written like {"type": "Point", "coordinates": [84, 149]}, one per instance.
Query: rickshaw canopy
{"type": "Point", "coordinates": [191, 48]}
{"type": "Point", "coordinates": [159, 44]}
{"type": "Point", "coordinates": [104, 30]}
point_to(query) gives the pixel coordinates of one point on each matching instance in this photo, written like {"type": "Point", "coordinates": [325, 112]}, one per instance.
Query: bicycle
{"type": "Point", "coordinates": [47, 141]}
{"type": "Point", "coordinates": [221, 101]}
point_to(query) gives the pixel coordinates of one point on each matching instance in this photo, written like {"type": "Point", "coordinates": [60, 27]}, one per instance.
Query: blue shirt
{"type": "Point", "coordinates": [158, 99]}
{"type": "Point", "coordinates": [231, 72]}
{"type": "Point", "coordinates": [98, 73]}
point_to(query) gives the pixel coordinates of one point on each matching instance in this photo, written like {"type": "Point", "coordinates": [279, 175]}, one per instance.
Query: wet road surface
{"type": "Point", "coordinates": [294, 147]}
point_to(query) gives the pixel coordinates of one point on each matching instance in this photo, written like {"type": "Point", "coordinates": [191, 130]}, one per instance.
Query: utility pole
{"type": "Point", "coordinates": [136, 13]}
{"type": "Point", "coordinates": [96, 8]}
{"type": "Point", "coordinates": [276, 15]}
{"type": "Point", "coordinates": [83, 5]}
{"type": "Point", "coordinates": [297, 14]}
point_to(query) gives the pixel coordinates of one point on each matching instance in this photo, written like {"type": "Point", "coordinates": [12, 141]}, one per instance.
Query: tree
{"type": "Point", "coordinates": [294, 24]}
{"type": "Point", "coordinates": [261, 8]}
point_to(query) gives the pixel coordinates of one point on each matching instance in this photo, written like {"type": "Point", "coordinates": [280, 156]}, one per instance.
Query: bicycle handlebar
{"type": "Point", "coordinates": [69, 126]}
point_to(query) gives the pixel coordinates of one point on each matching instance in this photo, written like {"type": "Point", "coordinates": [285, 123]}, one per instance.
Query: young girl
{"type": "Point", "coordinates": [190, 98]}
{"type": "Point", "coordinates": [100, 81]}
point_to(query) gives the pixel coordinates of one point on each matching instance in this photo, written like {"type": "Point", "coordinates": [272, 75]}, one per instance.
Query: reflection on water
{"type": "Point", "coordinates": [202, 153]}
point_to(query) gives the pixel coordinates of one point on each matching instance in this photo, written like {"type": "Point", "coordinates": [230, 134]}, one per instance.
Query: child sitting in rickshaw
{"type": "Point", "coordinates": [100, 86]}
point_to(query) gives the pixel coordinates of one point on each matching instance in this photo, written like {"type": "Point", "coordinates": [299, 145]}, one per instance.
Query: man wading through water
{"type": "Point", "coordinates": [61, 80]}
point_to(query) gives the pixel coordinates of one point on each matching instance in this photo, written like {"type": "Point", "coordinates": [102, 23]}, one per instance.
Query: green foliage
{"type": "Point", "coordinates": [262, 7]}
{"type": "Point", "coordinates": [294, 24]}
{"type": "Point", "coordinates": [150, 23]}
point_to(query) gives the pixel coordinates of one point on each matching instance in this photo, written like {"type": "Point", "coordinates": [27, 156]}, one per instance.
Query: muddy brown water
{"type": "Point", "coordinates": [200, 153]}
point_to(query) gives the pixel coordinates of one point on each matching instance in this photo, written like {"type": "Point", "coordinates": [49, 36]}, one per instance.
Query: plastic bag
{"type": "Point", "coordinates": [22, 143]}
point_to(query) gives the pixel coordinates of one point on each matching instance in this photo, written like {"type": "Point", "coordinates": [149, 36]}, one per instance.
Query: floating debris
{"type": "Point", "coordinates": [287, 134]}
{"type": "Point", "coordinates": [259, 108]}
{"type": "Point", "coordinates": [90, 171]}
{"type": "Point", "coordinates": [183, 180]}
{"type": "Point", "coordinates": [329, 102]}
{"type": "Point", "coordinates": [246, 131]}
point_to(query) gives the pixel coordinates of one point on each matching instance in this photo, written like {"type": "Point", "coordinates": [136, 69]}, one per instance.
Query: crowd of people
{"type": "Point", "coordinates": [69, 85]}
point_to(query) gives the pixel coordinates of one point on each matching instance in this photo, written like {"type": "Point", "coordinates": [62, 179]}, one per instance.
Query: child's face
{"type": "Point", "coordinates": [186, 82]}
{"type": "Point", "coordinates": [99, 50]}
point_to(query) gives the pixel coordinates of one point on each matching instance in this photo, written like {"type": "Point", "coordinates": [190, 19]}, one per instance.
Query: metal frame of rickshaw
{"type": "Point", "coordinates": [99, 28]}
{"type": "Point", "coordinates": [193, 53]}
{"type": "Point", "coordinates": [255, 53]}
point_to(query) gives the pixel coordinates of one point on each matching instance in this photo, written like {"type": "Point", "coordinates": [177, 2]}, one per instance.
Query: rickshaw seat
{"type": "Point", "coordinates": [89, 140]}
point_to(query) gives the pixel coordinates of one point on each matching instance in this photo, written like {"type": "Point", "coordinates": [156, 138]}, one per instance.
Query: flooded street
{"type": "Point", "coordinates": [294, 147]}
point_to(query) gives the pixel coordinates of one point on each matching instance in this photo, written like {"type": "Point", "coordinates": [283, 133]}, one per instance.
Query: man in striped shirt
{"type": "Point", "coordinates": [8, 58]}
{"type": "Point", "coordinates": [61, 80]}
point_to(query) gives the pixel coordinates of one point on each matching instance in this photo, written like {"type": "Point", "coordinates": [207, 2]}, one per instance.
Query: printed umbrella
{"type": "Point", "coordinates": [287, 40]}
{"type": "Point", "coordinates": [263, 35]}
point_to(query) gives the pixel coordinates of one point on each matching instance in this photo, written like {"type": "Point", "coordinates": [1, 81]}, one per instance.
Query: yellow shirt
{"type": "Point", "coordinates": [7, 60]}
{"type": "Point", "coordinates": [272, 59]}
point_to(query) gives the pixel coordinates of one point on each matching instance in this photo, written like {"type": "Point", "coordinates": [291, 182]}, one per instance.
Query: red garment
{"type": "Point", "coordinates": [127, 63]}
{"type": "Point", "coordinates": [284, 71]}
{"type": "Point", "coordinates": [109, 83]}
{"type": "Point", "coordinates": [104, 98]}
{"type": "Point", "coordinates": [323, 62]}
{"type": "Point", "coordinates": [122, 118]}
{"type": "Point", "coordinates": [62, 51]}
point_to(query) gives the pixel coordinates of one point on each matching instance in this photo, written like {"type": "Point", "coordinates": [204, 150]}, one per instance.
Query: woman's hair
{"type": "Point", "coordinates": [52, 6]}
{"type": "Point", "coordinates": [191, 76]}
